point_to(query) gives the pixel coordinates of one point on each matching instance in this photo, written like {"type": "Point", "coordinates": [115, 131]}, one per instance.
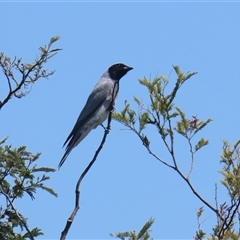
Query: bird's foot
{"type": "Point", "coordinates": [106, 128]}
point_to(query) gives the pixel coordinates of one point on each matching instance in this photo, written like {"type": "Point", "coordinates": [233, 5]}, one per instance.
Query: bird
{"type": "Point", "coordinates": [97, 108]}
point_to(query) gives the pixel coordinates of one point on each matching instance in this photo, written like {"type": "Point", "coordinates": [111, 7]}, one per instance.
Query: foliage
{"type": "Point", "coordinates": [19, 172]}
{"type": "Point", "coordinates": [19, 175]}
{"type": "Point", "coordinates": [170, 120]}
{"type": "Point", "coordinates": [29, 72]}
{"type": "Point", "coordinates": [144, 233]}
{"type": "Point", "coordinates": [229, 215]}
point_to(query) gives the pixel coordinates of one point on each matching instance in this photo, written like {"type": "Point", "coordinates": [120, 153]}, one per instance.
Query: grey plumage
{"type": "Point", "coordinates": [97, 107]}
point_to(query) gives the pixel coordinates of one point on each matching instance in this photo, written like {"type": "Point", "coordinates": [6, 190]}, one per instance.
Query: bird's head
{"type": "Point", "coordinates": [117, 71]}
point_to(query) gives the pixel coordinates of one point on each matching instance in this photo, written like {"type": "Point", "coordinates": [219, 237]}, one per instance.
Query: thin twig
{"type": "Point", "coordinates": [197, 194]}
{"type": "Point", "coordinates": [175, 167]}
{"type": "Point", "coordinates": [192, 158]}
{"type": "Point", "coordinates": [18, 87]}
{"type": "Point", "coordinates": [197, 236]}
{"type": "Point", "coordinates": [77, 190]}
{"type": "Point", "coordinates": [226, 224]}
{"type": "Point", "coordinates": [216, 201]}
{"type": "Point", "coordinates": [8, 79]}
{"type": "Point", "coordinates": [147, 147]}
{"type": "Point", "coordinates": [171, 151]}
{"type": "Point", "coordinates": [16, 212]}
{"type": "Point", "coordinates": [171, 137]}
{"type": "Point", "coordinates": [160, 160]}
{"type": "Point", "coordinates": [25, 74]}
{"type": "Point", "coordinates": [222, 230]}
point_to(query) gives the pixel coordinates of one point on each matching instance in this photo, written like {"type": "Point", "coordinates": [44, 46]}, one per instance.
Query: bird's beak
{"type": "Point", "coordinates": [128, 68]}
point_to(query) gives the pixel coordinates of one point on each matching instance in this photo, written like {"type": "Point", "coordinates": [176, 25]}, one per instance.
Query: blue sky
{"type": "Point", "coordinates": [126, 186]}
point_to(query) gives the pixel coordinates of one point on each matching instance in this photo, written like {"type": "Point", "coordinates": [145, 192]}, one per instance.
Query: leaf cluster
{"type": "Point", "coordinates": [21, 76]}
{"type": "Point", "coordinates": [168, 120]}
{"type": "Point", "coordinates": [144, 233]}
{"type": "Point", "coordinates": [19, 176]}
{"type": "Point", "coordinates": [161, 111]}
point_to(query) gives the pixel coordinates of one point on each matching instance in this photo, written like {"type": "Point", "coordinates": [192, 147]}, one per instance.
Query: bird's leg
{"type": "Point", "coordinates": [113, 109]}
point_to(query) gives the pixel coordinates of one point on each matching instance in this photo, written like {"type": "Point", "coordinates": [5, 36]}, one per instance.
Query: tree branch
{"type": "Point", "coordinates": [216, 202]}
{"type": "Point", "coordinates": [77, 190]}
{"type": "Point", "coordinates": [197, 194]}
{"type": "Point", "coordinates": [230, 216]}
{"type": "Point", "coordinates": [171, 151]}
{"type": "Point", "coordinates": [192, 158]}
{"type": "Point", "coordinates": [147, 147]}
{"type": "Point", "coordinates": [16, 212]}
{"type": "Point", "coordinates": [26, 70]}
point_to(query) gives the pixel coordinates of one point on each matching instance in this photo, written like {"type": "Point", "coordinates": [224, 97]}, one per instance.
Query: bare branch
{"type": "Point", "coordinates": [192, 158]}
{"type": "Point", "coordinates": [148, 147]}
{"type": "Point", "coordinates": [197, 194]}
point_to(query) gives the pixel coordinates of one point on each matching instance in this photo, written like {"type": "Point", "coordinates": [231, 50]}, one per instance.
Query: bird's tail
{"type": "Point", "coordinates": [74, 141]}
{"type": "Point", "coordinates": [68, 150]}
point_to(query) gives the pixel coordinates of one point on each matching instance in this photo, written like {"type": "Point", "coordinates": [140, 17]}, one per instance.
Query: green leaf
{"type": "Point", "coordinates": [28, 65]}
{"type": "Point", "coordinates": [54, 39]}
{"type": "Point", "coordinates": [131, 116]}
{"type": "Point", "coordinates": [202, 142]}
{"type": "Point", "coordinates": [145, 82]}
{"type": "Point", "coordinates": [55, 50]}
{"type": "Point", "coordinates": [43, 169]}
{"type": "Point", "coordinates": [3, 141]}
{"type": "Point", "coordinates": [137, 100]}
{"type": "Point", "coordinates": [173, 115]}
{"type": "Point", "coordinates": [36, 232]}
{"type": "Point", "coordinates": [200, 211]}
{"type": "Point", "coordinates": [182, 126]}
{"type": "Point", "coordinates": [43, 50]}
{"type": "Point", "coordinates": [145, 228]}
{"type": "Point", "coordinates": [184, 121]}
{"type": "Point", "coordinates": [50, 190]}
{"type": "Point", "coordinates": [201, 125]}
{"type": "Point", "coordinates": [201, 234]}
{"type": "Point", "coordinates": [143, 120]}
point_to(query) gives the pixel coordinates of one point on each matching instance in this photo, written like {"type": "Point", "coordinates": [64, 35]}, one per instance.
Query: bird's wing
{"type": "Point", "coordinates": [96, 98]}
